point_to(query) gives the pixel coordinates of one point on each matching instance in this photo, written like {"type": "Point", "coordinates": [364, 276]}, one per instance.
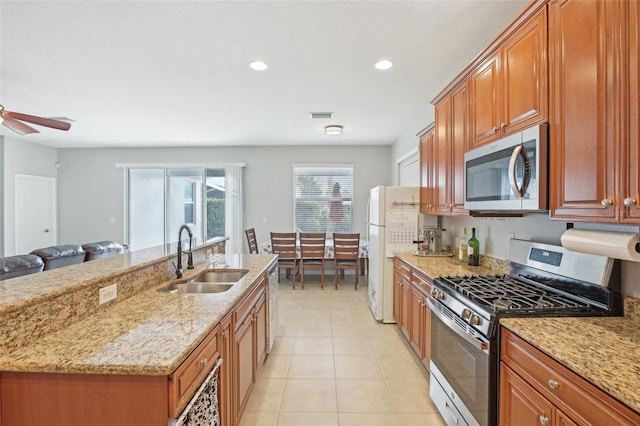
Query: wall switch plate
{"type": "Point", "coordinates": [108, 293]}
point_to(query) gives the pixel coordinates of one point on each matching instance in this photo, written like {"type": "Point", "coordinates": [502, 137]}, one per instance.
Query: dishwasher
{"type": "Point", "coordinates": [203, 409]}
{"type": "Point", "coordinates": [272, 326]}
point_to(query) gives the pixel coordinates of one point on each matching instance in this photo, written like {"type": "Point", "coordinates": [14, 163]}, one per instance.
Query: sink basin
{"type": "Point", "coordinates": [207, 281]}
{"type": "Point", "coordinates": [213, 276]}
{"type": "Point", "coordinates": [192, 287]}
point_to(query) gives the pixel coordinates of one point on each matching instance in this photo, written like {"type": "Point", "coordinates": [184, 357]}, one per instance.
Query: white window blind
{"type": "Point", "coordinates": [322, 198]}
{"type": "Point", "coordinates": [409, 170]}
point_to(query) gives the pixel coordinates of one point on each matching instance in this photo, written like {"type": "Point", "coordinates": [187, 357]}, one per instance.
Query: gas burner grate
{"type": "Point", "coordinates": [502, 293]}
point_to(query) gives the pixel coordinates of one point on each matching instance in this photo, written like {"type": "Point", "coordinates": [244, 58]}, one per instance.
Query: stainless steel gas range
{"type": "Point", "coordinates": [543, 280]}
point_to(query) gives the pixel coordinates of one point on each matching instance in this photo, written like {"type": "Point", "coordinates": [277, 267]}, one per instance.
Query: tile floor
{"type": "Point", "coordinates": [333, 364]}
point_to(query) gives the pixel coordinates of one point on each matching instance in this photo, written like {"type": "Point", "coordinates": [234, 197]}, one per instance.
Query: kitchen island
{"type": "Point", "coordinates": [134, 344]}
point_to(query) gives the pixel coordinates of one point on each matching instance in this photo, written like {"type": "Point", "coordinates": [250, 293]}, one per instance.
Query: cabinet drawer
{"type": "Point", "coordinates": [190, 374]}
{"type": "Point", "coordinates": [402, 268]}
{"type": "Point", "coordinates": [582, 401]}
{"type": "Point", "coordinates": [244, 307]}
{"type": "Point", "coordinates": [421, 280]}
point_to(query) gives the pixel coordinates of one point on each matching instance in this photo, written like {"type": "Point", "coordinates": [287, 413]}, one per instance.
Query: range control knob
{"type": "Point", "coordinates": [475, 320]}
{"type": "Point", "coordinates": [466, 314]}
{"type": "Point", "coordinates": [440, 295]}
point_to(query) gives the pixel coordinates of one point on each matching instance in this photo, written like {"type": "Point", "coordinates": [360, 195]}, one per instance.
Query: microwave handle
{"type": "Point", "coordinates": [518, 152]}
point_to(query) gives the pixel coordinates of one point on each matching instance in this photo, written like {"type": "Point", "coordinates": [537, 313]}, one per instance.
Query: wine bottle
{"type": "Point", "coordinates": [462, 246]}
{"type": "Point", "coordinates": [473, 250]}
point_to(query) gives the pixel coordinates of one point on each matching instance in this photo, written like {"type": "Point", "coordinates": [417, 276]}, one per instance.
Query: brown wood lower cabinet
{"type": "Point", "coordinates": [61, 399]}
{"type": "Point", "coordinates": [410, 309]}
{"type": "Point", "coordinates": [535, 389]}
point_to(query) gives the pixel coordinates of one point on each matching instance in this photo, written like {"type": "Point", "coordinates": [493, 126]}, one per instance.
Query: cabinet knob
{"type": "Point", "coordinates": [606, 202]}
{"type": "Point", "coordinates": [204, 362]}
{"type": "Point", "coordinates": [504, 125]}
{"type": "Point", "coordinates": [629, 202]}
{"type": "Point", "coordinates": [225, 333]}
{"type": "Point", "coordinates": [495, 130]}
{"type": "Point", "coordinates": [553, 384]}
{"type": "Point", "coordinates": [543, 419]}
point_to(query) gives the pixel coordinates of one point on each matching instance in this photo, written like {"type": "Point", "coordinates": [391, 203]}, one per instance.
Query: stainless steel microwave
{"type": "Point", "coordinates": [509, 174]}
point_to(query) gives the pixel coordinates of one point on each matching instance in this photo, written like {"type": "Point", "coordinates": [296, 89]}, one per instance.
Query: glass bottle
{"type": "Point", "coordinates": [462, 246]}
{"type": "Point", "coordinates": [473, 249]}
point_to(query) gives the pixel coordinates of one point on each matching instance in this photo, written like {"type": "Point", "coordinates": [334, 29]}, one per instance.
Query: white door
{"type": "Point", "coordinates": [35, 213]}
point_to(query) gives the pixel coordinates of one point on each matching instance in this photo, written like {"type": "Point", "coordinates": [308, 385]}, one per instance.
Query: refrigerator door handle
{"type": "Point", "coordinates": [368, 218]}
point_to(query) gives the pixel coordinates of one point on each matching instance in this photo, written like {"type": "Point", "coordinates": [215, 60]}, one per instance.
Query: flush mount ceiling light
{"type": "Point", "coordinates": [333, 130]}
{"type": "Point", "coordinates": [258, 66]}
{"type": "Point", "coordinates": [383, 65]}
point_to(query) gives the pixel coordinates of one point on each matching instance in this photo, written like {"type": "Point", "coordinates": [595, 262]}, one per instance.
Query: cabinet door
{"type": "Point", "coordinates": [631, 154]}
{"type": "Point", "coordinates": [521, 404]}
{"type": "Point", "coordinates": [442, 153]}
{"type": "Point", "coordinates": [581, 125]}
{"type": "Point", "coordinates": [244, 368]}
{"type": "Point", "coordinates": [483, 85]}
{"type": "Point", "coordinates": [524, 68]}
{"type": "Point", "coordinates": [458, 145]}
{"type": "Point", "coordinates": [563, 420]}
{"type": "Point", "coordinates": [426, 336]}
{"type": "Point", "coordinates": [416, 331]}
{"type": "Point", "coordinates": [406, 308]}
{"type": "Point", "coordinates": [427, 167]}
{"type": "Point", "coordinates": [225, 392]}
{"type": "Point", "coordinates": [397, 297]}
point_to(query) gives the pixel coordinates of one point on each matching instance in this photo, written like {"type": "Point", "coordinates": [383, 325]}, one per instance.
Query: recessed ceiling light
{"type": "Point", "coordinates": [333, 130]}
{"type": "Point", "coordinates": [383, 65]}
{"type": "Point", "coordinates": [258, 66]}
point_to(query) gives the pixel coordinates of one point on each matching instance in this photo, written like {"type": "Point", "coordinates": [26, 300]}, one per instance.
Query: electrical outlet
{"type": "Point", "coordinates": [108, 293]}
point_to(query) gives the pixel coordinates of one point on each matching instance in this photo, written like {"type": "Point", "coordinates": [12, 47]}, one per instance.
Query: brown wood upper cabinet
{"type": "Point", "coordinates": [508, 90]}
{"type": "Point", "coordinates": [594, 111]}
{"type": "Point", "coordinates": [450, 144]}
{"type": "Point", "coordinates": [427, 170]}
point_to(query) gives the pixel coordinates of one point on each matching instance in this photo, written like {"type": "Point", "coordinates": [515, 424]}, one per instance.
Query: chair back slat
{"type": "Point", "coordinates": [284, 245]}
{"type": "Point", "coordinates": [346, 246]}
{"type": "Point", "coordinates": [251, 240]}
{"type": "Point", "coordinates": [312, 245]}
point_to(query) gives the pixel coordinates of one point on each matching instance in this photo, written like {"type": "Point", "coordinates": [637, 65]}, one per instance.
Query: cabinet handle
{"type": "Point", "coordinates": [553, 384]}
{"type": "Point", "coordinates": [543, 420]}
{"type": "Point", "coordinates": [606, 202]}
{"type": "Point", "coordinates": [504, 125]}
{"type": "Point", "coordinates": [629, 202]}
{"type": "Point", "coordinates": [203, 362]}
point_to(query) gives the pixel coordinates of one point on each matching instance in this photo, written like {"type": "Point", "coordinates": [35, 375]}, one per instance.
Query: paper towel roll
{"type": "Point", "coordinates": [618, 245]}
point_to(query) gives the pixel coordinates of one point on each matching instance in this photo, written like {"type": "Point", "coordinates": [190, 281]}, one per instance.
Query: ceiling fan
{"type": "Point", "coordinates": [14, 121]}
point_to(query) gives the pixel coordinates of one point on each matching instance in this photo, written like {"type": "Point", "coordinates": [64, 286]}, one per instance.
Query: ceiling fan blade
{"type": "Point", "coordinates": [18, 127]}
{"type": "Point", "coordinates": [40, 121]}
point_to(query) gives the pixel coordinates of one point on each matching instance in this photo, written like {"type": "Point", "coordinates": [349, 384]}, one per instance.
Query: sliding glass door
{"type": "Point", "coordinates": [208, 200]}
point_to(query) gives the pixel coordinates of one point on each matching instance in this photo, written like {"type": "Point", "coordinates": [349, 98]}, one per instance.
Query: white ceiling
{"type": "Point", "coordinates": [174, 73]}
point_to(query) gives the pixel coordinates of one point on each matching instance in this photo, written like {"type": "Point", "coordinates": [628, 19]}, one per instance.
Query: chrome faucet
{"type": "Point", "coordinates": [189, 253]}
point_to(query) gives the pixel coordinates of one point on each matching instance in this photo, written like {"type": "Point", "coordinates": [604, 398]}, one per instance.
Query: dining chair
{"type": "Point", "coordinates": [312, 253]}
{"type": "Point", "coordinates": [284, 245]}
{"type": "Point", "coordinates": [251, 240]}
{"type": "Point", "coordinates": [346, 249]}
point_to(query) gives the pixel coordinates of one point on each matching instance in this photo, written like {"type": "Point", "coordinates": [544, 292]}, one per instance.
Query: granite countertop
{"type": "Point", "coordinates": [435, 266]}
{"type": "Point", "coordinates": [603, 350]}
{"type": "Point", "coordinates": [150, 333]}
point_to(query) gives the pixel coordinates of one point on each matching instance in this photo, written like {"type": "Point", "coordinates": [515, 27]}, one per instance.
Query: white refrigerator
{"type": "Point", "coordinates": [393, 224]}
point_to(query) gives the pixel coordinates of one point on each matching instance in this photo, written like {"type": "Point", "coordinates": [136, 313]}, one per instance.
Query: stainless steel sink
{"type": "Point", "coordinates": [192, 287]}
{"type": "Point", "coordinates": [213, 276]}
{"type": "Point", "coordinates": [207, 281]}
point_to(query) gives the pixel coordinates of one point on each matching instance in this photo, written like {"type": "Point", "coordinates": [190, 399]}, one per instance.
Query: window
{"type": "Point", "coordinates": [190, 202]}
{"type": "Point", "coordinates": [409, 169]}
{"type": "Point", "coordinates": [322, 198]}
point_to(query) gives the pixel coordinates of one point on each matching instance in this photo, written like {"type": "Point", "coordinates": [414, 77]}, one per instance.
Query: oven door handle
{"type": "Point", "coordinates": [478, 344]}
